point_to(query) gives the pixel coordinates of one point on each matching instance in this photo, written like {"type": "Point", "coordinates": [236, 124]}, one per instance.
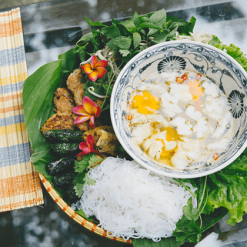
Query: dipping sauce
{"type": "Point", "coordinates": [179, 118]}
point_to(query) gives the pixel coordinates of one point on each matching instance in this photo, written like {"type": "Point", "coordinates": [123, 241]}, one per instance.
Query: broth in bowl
{"type": "Point", "coordinates": [180, 117]}
{"type": "Point", "coordinates": [179, 108]}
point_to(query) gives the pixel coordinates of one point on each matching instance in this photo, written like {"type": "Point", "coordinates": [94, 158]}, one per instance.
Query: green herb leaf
{"type": "Point", "coordinates": [82, 213]}
{"type": "Point", "coordinates": [110, 32]}
{"type": "Point", "coordinates": [186, 28]}
{"type": "Point", "coordinates": [187, 231]}
{"type": "Point", "coordinates": [90, 181]}
{"type": "Point", "coordinates": [109, 90]}
{"type": "Point", "coordinates": [135, 19]}
{"type": "Point", "coordinates": [172, 34]}
{"type": "Point", "coordinates": [190, 212]}
{"type": "Point", "coordinates": [124, 52]}
{"type": "Point", "coordinates": [97, 23]}
{"type": "Point", "coordinates": [85, 38]}
{"type": "Point", "coordinates": [82, 165]}
{"type": "Point", "coordinates": [79, 182]}
{"type": "Point", "coordinates": [82, 54]}
{"type": "Point", "coordinates": [161, 37]}
{"type": "Point", "coordinates": [94, 159]}
{"type": "Point", "coordinates": [164, 242]}
{"type": "Point", "coordinates": [122, 43]}
{"type": "Point", "coordinates": [136, 39]}
{"type": "Point", "coordinates": [150, 25]}
{"type": "Point", "coordinates": [129, 25]}
{"type": "Point", "coordinates": [98, 88]}
{"type": "Point", "coordinates": [115, 22]}
{"type": "Point", "coordinates": [158, 18]}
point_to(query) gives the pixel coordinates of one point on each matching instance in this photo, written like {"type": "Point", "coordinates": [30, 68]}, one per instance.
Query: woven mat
{"type": "Point", "coordinates": [19, 182]}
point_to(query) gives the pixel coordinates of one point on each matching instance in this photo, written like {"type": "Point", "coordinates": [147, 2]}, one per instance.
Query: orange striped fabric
{"type": "Point", "coordinates": [11, 97]}
{"type": "Point", "coordinates": [19, 182]}
{"type": "Point", "coordinates": [5, 31]}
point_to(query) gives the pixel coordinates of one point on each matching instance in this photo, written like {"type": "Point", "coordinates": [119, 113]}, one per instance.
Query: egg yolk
{"type": "Point", "coordinates": [146, 103]}
{"type": "Point", "coordinates": [171, 135]}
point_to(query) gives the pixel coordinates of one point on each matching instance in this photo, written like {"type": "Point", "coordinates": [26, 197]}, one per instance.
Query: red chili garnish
{"type": "Point", "coordinates": [129, 116]}
{"type": "Point", "coordinates": [179, 80]}
{"type": "Point", "coordinates": [198, 76]}
{"type": "Point", "coordinates": [215, 156]}
{"type": "Point", "coordinates": [184, 77]}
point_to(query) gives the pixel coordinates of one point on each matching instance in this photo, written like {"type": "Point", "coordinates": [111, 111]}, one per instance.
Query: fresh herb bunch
{"type": "Point", "coordinates": [128, 38]}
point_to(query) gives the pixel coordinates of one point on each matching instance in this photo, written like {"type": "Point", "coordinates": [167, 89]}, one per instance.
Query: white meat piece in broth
{"type": "Point", "coordinates": [182, 127]}
{"type": "Point", "coordinates": [215, 107]}
{"type": "Point", "coordinates": [167, 97]}
{"type": "Point", "coordinates": [155, 149]}
{"type": "Point", "coordinates": [210, 89]}
{"type": "Point", "coordinates": [222, 123]}
{"type": "Point", "coordinates": [150, 86]}
{"type": "Point", "coordinates": [192, 113]}
{"type": "Point", "coordinates": [157, 118]}
{"type": "Point", "coordinates": [192, 148]}
{"type": "Point", "coordinates": [180, 91]}
{"type": "Point", "coordinates": [186, 96]}
{"type": "Point", "coordinates": [170, 109]}
{"type": "Point", "coordinates": [201, 127]}
{"type": "Point", "coordinates": [169, 76]}
{"type": "Point", "coordinates": [138, 118]}
{"type": "Point", "coordinates": [177, 92]}
{"type": "Point", "coordinates": [160, 136]}
{"type": "Point", "coordinates": [156, 143]}
{"type": "Point", "coordinates": [220, 145]}
{"type": "Point", "coordinates": [141, 132]}
{"type": "Point", "coordinates": [179, 159]}
{"type": "Point", "coordinates": [170, 145]}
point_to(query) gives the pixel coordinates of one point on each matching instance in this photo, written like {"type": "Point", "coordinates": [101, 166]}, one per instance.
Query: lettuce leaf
{"type": "Point", "coordinates": [231, 50]}
{"type": "Point", "coordinates": [228, 189]}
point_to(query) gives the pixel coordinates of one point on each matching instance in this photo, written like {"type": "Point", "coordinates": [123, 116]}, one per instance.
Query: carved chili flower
{"type": "Point", "coordinates": [96, 69]}
{"type": "Point", "coordinates": [88, 110]}
{"type": "Point", "coordinates": [88, 147]}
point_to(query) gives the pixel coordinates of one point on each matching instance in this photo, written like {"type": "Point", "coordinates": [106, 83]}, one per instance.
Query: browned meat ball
{"type": "Point", "coordinates": [75, 86]}
{"type": "Point", "coordinates": [63, 101]}
{"type": "Point", "coordinates": [59, 121]}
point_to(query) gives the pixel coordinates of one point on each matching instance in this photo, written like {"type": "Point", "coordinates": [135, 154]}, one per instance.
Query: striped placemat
{"type": "Point", "coordinates": [19, 182]}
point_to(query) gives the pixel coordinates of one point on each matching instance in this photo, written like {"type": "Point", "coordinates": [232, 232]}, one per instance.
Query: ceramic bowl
{"type": "Point", "coordinates": [193, 56]}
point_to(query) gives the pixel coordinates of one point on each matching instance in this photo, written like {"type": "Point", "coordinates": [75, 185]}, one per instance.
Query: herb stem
{"type": "Point", "coordinates": [204, 188]}
{"type": "Point", "coordinates": [109, 84]}
{"type": "Point", "coordinates": [186, 187]}
{"type": "Point", "coordinates": [200, 221]}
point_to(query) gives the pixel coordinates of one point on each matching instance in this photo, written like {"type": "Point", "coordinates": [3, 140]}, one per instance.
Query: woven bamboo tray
{"type": "Point", "coordinates": [73, 215]}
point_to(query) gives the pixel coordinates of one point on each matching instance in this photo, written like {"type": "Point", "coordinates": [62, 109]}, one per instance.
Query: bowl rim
{"type": "Point", "coordinates": [133, 155]}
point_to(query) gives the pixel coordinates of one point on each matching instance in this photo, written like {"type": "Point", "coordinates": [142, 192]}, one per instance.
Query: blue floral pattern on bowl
{"type": "Point", "coordinates": [193, 56]}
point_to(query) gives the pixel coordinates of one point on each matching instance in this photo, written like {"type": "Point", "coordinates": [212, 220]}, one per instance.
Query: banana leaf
{"type": "Point", "coordinates": [38, 90]}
